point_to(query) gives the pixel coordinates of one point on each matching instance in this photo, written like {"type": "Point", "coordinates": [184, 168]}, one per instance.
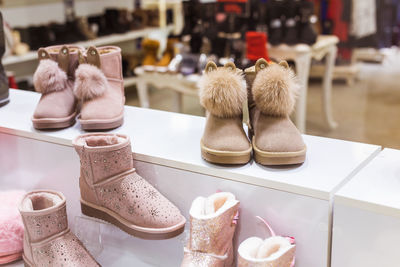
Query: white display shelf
{"type": "Point", "coordinates": [173, 140]}
{"type": "Point", "coordinates": [366, 223]}
{"type": "Point", "coordinates": [296, 200]}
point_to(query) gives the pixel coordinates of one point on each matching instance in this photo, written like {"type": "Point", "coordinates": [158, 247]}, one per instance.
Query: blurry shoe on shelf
{"type": "Point", "coordinates": [54, 79]}
{"type": "Point", "coordinates": [99, 86]}
{"type": "Point", "coordinates": [308, 20]}
{"type": "Point", "coordinates": [150, 49]}
{"type": "Point", "coordinates": [223, 94]}
{"type": "Point", "coordinates": [84, 28]}
{"type": "Point", "coordinates": [169, 53]}
{"type": "Point", "coordinates": [291, 33]}
{"type": "Point", "coordinates": [117, 20]}
{"type": "Point", "coordinates": [112, 190]}
{"type": "Point", "coordinates": [275, 10]}
{"type": "Point", "coordinates": [98, 24]}
{"type": "Point", "coordinates": [213, 222]}
{"type": "Point", "coordinates": [139, 18]}
{"type": "Point", "coordinates": [153, 19]}
{"type": "Point", "coordinates": [256, 43]}
{"type": "Point", "coordinates": [19, 48]}
{"type": "Point", "coordinates": [11, 226]}
{"type": "Point", "coordinates": [48, 240]}
{"type": "Point", "coordinates": [275, 251]}
{"type": "Point", "coordinates": [4, 95]}
{"type": "Point", "coordinates": [175, 64]}
{"type": "Point", "coordinates": [189, 64]}
{"type": "Point", "coordinates": [273, 89]}
{"type": "Point", "coordinates": [129, 63]}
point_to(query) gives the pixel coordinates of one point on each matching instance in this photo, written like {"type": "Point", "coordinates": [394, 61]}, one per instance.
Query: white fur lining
{"type": "Point", "coordinates": [204, 208]}
{"type": "Point", "coordinates": [82, 141]}
{"type": "Point", "coordinates": [46, 198]}
{"type": "Point", "coordinates": [254, 249]}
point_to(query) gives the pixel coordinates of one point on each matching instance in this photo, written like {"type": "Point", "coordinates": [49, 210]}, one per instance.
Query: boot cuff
{"type": "Point", "coordinates": [100, 142]}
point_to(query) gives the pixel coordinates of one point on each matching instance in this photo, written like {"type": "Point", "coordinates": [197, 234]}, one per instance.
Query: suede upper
{"type": "Point", "coordinates": [110, 103]}
{"type": "Point", "coordinates": [225, 134]}
{"type": "Point", "coordinates": [109, 180]}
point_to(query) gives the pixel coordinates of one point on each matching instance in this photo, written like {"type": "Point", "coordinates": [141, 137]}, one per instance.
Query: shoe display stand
{"type": "Point", "coordinates": [181, 85]}
{"type": "Point", "coordinates": [296, 200]}
{"type": "Point", "coordinates": [366, 226]}
{"type": "Point", "coordinates": [302, 55]}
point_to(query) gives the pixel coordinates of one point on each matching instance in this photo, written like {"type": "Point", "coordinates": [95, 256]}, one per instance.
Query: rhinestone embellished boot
{"type": "Point", "coordinates": [111, 189]}
{"type": "Point", "coordinates": [212, 227]}
{"type": "Point", "coordinates": [47, 238]}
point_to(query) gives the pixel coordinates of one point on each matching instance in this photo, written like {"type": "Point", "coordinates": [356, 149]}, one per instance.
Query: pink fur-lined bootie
{"type": "Point", "coordinates": [212, 227]}
{"type": "Point", "coordinates": [47, 238]}
{"type": "Point", "coordinates": [272, 92]}
{"type": "Point", "coordinates": [11, 226]}
{"type": "Point", "coordinates": [54, 79]}
{"type": "Point", "coordinates": [100, 88]}
{"type": "Point", "coordinates": [275, 251]}
{"type": "Point", "coordinates": [112, 190]}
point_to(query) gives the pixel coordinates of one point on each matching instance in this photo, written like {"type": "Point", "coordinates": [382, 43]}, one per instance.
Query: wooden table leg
{"type": "Point", "coordinates": [302, 64]}
{"type": "Point", "coordinates": [143, 93]}
{"type": "Point", "coordinates": [327, 87]}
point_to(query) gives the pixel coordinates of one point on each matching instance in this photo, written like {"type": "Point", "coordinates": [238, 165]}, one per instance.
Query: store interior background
{"type": "Point", "coordinates": [366, 108]}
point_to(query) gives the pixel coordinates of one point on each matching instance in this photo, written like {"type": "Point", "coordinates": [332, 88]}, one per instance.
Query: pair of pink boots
{"type": "Point", "coordinates": [213, 221]}
{"type": "Point", "coordinates": [111, 190]}
{"type": "Point", "coordinates": [74, 81]}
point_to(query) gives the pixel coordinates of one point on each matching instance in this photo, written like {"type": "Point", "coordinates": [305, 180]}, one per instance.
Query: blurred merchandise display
{"type": "Point", "coordinates": [3, 78]}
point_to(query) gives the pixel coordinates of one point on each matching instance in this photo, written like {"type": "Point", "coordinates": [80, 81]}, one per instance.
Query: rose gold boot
{"type": "Point", "coordinates": [275, 251]}
{"type": "Point", "coordinates": [112, 190]}
{"type": "Point", "coordinates": [212, 227]}
{"type": "Point", "coordinates": [47, 239]}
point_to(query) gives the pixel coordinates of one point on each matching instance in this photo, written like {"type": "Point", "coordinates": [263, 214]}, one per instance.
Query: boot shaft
{"type": "Point", "coordinates": [107, 58]}
{"type": "Point", "coordinates": [103, 156]}
{"type": "Point", "coordinates": [66, 56]}
{"type": "Point", "coordinates": [44, 215]}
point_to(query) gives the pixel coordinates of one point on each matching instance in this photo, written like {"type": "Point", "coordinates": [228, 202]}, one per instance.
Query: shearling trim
{"type": "Point", "coordinates": [275, 89]}
{"type": "Point", "coordinates": [222, 92]}
{"type": "Point", "coordinates": [90, 82]}
{"type": "Point", "coordinates": [49, 77]}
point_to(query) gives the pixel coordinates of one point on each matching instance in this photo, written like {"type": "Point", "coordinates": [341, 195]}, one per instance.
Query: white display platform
{"type": "Point", "coordinates": [366, 226]}
{"type": "Point", "coordinates": [296, 200]}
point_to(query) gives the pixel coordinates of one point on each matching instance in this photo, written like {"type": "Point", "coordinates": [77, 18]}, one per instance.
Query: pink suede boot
{"type": "Point", "coordinates": [47, 239]}
{"type": "Point", "coordinates": [100, 87]}
{"type": "Point", "coordinates": [11, 226]}
{"type": "Point", "coordinates": [111, 189]}
{"type": "Point", "coordinates": [54, 78]}
{"type": "Point", "coordinates": [275, 251]}
{"type": "Point", "coordinates": [212, 227]}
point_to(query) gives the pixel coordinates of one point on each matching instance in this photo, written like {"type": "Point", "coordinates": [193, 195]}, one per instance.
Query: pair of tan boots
{"type": "Point", "coordinates": [270, 90]}
{"type": "Point", "coordinates": [74, 81]}
{"type": "Point", "coordinates": [213, 221]}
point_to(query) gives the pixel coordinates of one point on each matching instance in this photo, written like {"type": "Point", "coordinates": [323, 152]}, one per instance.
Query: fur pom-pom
{"type": "Point", "coordinates": [49, 77]}
{"type": "Point", "coordinates": [222, 92]}
{"type": "Point", "coordinates": [275, 90]}
{"type": "Point", "coordinates": [90, 82]}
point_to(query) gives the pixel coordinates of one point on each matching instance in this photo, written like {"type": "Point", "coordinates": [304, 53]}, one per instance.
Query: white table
{"type": "Point", "coordinates": [176, 82]}
{"type": "Point", "coordinates": [296, 200]}
{"type": "Point", "coordinates": [366, 227]}
{"type": "Point", "coordinates": [302, 55]}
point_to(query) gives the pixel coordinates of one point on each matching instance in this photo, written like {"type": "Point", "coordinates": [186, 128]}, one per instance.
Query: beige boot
{"type": "Point", "coordinates": [47, 238]}
{"type": "Point", "coordinates": [222, 94]}
{"type": "Point", "coordinates": [112, 190]}
{"type": "Point", "coordinates": [271, 99]}
{"type": "Point", "coordinates": [212, 227]}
